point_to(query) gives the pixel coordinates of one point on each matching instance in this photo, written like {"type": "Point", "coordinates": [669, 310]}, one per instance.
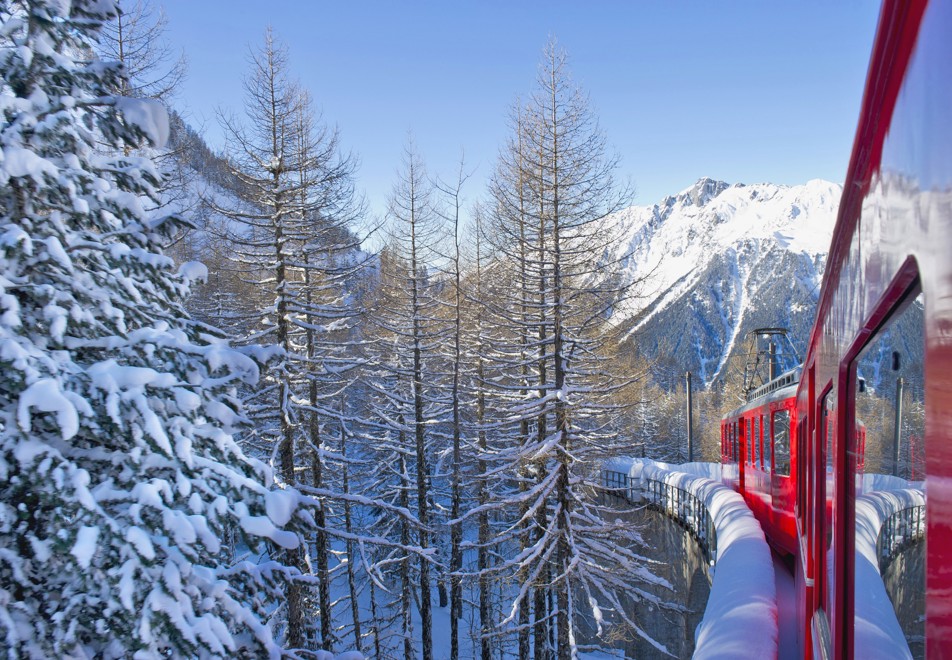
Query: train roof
{"type": "Point", "coordinates": [782, 387]}
{"type": "Point", "coordinates": [786, 379]}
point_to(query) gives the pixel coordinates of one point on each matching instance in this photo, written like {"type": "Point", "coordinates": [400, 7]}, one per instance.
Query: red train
{"type": "Point", "coordinates": [874, 393]}
{"type": "Point", "coordinates": [755, 438]}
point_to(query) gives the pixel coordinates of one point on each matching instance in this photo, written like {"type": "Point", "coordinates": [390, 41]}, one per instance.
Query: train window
{"type": "Point", "coordinates": [756, 442]}
{"type": "Point", "coordinates": [887, 443]}
{"type": "Point", "coordinates": [730, 442]}
{"type": "Point", "coordinates": [735, 455]}
{"type": "Point", "coordinates": [750, 444]}
{"type": "Point", "coordinates": [780, 442]}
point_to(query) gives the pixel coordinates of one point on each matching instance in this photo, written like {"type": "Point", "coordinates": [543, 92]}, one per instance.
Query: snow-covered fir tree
{"type": "Point", "coordinates": [120, 479]}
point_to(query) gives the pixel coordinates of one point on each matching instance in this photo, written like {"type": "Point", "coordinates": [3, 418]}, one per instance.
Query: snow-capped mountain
{"type": "Point", "coordinates": [718, 260]}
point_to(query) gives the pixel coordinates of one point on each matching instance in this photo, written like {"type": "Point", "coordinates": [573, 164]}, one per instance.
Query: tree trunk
{"type": "Point", "coordinates": [541, 609]}
{"type": "Point", "coordinates": [321, 549]}
{"type": "Point", "coordinates": [406, 601]}
{"type": "Point", "coordinates": [295, 557]}
{"type": "Point", "coordinates": [349, 527]}
{"type": "Point", "coordinates": [485, 624]}
{"type": "Point", "coordinates": [419, 429]}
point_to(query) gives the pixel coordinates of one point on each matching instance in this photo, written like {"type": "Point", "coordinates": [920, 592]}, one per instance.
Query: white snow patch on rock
{"type": "Point", "coordinates": [669, 243]}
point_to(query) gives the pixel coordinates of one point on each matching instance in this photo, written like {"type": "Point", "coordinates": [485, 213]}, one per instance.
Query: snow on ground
{"type": "Point", "coordinates": [740, 620]}
{"type": "Point", "coordinates": [751, 610]}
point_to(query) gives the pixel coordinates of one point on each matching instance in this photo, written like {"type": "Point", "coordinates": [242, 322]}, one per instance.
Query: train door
{"type": "Point", "coordinates": [807, 403]}
{"type": "Point", "coordinates": [817, 522]}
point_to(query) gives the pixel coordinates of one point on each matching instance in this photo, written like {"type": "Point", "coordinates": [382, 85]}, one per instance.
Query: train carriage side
{"type": "Point", "coordinates": [757, 453]}
{"type": "Point", "coordinates": [885, 310]}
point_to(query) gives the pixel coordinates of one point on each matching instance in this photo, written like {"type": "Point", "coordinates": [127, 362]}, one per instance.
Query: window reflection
{"type": "Point", "coordinates": [781, 442]}
{"type": "Point", "coordinates": [889, 452]}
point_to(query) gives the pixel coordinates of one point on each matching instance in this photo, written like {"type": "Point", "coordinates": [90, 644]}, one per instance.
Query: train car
{"type": "Point", "coordinates": [879, 357]}
{"type": "Point", "coordinates": [756, 453]}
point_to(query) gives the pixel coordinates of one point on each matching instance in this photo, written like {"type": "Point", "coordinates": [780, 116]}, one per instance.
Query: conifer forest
{"type": "Point", "coordinates": [241, 416]}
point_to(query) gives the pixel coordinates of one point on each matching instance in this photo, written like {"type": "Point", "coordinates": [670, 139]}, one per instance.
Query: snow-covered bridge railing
{"type": "Point", "coordinates": [687, 510]}
{"type": "Point", "coordinates": [677, 503]}
{"type": "Point", "coordinates": [743, 592]}
{"type": "Point", "coordinates": [900, 530]}
{"type": "Point", "coordinates": [620, 484]}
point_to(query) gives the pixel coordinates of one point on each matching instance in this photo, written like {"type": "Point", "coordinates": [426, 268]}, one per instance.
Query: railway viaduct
{"type": "Point", "coordinates": [684, 565]}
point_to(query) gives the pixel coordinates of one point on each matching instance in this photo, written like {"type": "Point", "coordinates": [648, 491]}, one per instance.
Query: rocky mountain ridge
{"type": "Point", "coordinates": [718, 260]}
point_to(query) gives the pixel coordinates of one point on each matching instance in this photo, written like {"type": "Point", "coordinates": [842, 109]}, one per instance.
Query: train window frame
{"type": "Point", "coordinates": [815, 495]}
{"type": "Point", "coordinates": [756, 443]}
{"type": "Point", "coordinates": [732, 439]}
{"type": "Point", "coordinates": [735, 445]}
{"type": "Point", "coordinates": [747, 441]}
{"type": "Point", "coordinates": [801, 473]}
{"type": "Point", "coordinates": [827, 498]}
{"type": "Point", "coordinates": [777, 467]}
{"type": "Point", "coordinates": [763, 459]}
{"type": "Point", "coordinates": [730, 442]}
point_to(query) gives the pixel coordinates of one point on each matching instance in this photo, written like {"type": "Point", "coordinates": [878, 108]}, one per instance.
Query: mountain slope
{"type": "Point", "coordinates": [718, 260]}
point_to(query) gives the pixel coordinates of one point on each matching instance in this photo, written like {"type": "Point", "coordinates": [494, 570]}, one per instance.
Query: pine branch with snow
{"type": "Point", "coordinates": [121, 484]}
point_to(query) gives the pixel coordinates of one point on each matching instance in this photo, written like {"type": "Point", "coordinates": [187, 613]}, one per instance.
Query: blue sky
{"type": "Point", "coordinates": [743, 91]}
